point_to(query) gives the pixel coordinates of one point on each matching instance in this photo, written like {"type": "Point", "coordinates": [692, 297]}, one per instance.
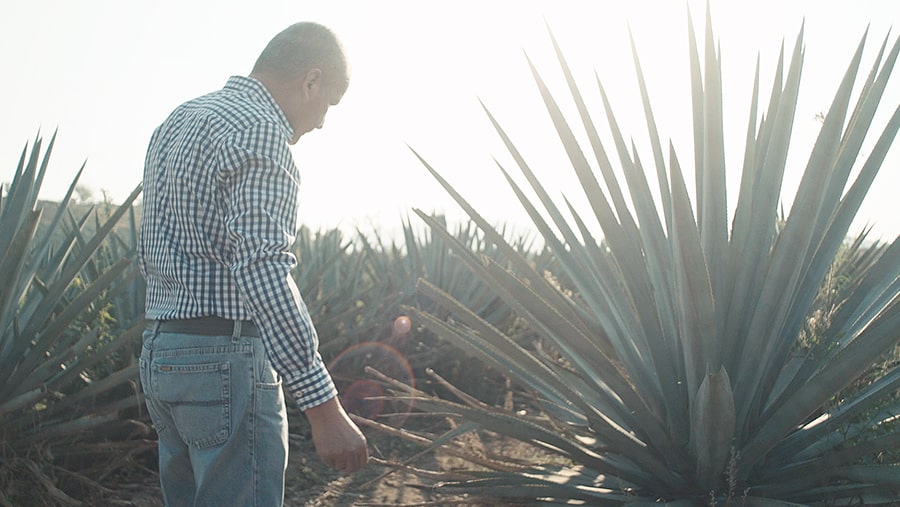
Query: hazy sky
{"type": "Point", "coordinates": [106, 73]}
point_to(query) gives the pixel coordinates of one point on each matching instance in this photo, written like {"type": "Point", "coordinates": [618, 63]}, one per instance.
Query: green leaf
{"type": "Point", "coordinates": [712, 428]}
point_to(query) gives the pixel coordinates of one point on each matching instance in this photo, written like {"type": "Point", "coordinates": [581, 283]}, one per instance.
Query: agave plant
{"type": "Point", "coordinates": [677, 361]}
{"type": "Point", "coordinates": [424, 254]}
{"type": "Point", "coordinates": [356, 291]}
{"type": "Point", "coordinates": [68, 332]}
{"type": "Point", "coordinates": [335, 283]}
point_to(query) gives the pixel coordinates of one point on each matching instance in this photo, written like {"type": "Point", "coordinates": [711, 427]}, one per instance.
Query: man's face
{"type": "Point", "coordinates": [307, 106]}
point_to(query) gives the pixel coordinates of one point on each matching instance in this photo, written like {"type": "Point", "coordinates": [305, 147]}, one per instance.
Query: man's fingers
{"type": "Point", "coordinates": [361, 460]}
{"type": "Point", "coordinates": [354, 462]}
{"type": "Point", "coordinates": [349, 461]}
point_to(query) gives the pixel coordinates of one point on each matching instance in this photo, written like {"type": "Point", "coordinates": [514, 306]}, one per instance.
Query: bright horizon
{"type": "Point", "coordinates": [106, 75]}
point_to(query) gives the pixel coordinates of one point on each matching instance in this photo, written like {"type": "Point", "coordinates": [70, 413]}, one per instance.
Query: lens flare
{"type": "Point", "coordinates": [359, 393]}
{"type": "Point", "coordinates": [363, 397]}
{"type": "Point", "coordinates": [402, 325]}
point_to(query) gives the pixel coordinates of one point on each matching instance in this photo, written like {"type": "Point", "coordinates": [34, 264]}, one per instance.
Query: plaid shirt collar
{"type": "Point", "coordinates": [258, 91]}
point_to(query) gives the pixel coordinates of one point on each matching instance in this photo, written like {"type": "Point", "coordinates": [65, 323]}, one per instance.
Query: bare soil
{"type": "Point", "coordinates": [382, 483]}
{"type": "Point", "coordinates": [309, 483]}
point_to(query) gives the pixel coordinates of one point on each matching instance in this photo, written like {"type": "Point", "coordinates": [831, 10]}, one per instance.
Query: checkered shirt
{"type": "Point", "coordinates": [219, 221]}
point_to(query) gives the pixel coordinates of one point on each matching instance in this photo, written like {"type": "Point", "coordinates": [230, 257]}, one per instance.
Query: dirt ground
{"type": "Point", "coordinates": [309, 483]}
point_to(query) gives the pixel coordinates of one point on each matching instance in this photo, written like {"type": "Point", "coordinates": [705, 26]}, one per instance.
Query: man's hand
{"type": "Point", "coordinates": [339, 442]}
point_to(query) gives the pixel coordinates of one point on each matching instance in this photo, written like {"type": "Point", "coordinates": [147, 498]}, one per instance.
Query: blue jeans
{"type": "Point", "coordinates": [218, 408]}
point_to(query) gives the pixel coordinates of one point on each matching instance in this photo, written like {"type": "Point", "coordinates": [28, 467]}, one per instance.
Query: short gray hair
{"type": "Point", "coordinates": [301, 47]}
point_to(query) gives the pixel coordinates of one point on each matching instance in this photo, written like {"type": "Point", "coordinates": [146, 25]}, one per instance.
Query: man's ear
{"type": "Point", "coordinates": [312, 80]}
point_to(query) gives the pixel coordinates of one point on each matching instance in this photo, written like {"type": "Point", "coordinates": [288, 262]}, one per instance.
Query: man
{"type": "Point", "coordinates": [226, 323]}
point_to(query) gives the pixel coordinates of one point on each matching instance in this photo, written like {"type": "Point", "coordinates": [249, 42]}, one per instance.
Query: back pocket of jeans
{"type": "Point", "coordinates": [198, 397]}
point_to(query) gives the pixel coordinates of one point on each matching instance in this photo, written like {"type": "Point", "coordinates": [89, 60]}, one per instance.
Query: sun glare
{"type": "Point", "coordinates": [420, 74]}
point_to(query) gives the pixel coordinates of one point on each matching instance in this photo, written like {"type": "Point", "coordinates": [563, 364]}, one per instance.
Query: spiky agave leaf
{"type": "Point", "coordinates": [678, 355]}
{"type": "Point", "coordinates": [66, 364]}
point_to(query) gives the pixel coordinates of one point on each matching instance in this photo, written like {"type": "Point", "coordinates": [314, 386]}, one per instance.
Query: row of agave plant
{"type": "Point", "coordinates": [71, 316]}
{"type": "Point", "coordinates": [677, 360]}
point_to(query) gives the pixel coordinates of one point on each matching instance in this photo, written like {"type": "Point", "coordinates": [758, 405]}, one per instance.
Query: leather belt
{"type": "Point", "coordinates": [206, 326]}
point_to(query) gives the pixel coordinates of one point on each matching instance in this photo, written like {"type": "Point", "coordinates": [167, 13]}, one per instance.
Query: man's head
{"type": "Point", "coordinates": [305, 69]}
